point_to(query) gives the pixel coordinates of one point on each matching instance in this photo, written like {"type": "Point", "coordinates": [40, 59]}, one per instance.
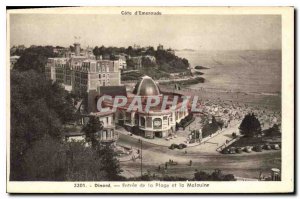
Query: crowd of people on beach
{"type": "Point", "coordinates": [229, 111]}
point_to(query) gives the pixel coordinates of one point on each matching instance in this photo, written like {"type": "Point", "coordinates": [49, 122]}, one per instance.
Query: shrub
{"type": "Point", "coordinates": [210, 128]}
{"type": "Point", "coordinates": [174, 146]}
{"type": "Point", "coordinates": [250, 126]}
{"type": "Point", "coordinates": [257, 148]}
{"type": "Point", "coordinates": [182, 146]}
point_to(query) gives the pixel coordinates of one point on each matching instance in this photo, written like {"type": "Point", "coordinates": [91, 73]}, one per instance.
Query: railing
{"type": "Point", "coordinates": [108, 139]}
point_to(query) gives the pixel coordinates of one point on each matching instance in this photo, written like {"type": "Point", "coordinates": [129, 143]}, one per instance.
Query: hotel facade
{"type": "Point", "coordinates": [81, 72]}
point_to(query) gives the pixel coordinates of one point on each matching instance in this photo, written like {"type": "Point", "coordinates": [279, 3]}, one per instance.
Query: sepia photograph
{"type": "Point", "coordinates": [150, 100]}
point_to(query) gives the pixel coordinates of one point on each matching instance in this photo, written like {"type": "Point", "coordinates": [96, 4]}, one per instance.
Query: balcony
{"type": "Point", "coordinates": [107, 135]}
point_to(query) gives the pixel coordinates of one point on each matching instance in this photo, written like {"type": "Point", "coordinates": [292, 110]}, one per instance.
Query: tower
{"type": "Point", "coordinates": [77, 48]}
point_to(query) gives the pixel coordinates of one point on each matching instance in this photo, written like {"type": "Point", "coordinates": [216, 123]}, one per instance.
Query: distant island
{"type": "Point", "coordinates": [201, 67]}
{"type": "Point", "coordinates": [198, 73]}
{"type": "Point", "coordinates": [187, 49]}
{"type": "Point", "coordinates": [185, 82]}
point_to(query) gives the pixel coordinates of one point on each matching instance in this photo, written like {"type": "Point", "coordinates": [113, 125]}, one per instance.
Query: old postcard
{"type": "Point", "coordinates": [150, 100]}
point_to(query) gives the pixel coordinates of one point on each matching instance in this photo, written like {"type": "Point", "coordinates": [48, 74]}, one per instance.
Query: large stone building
{"type": "Point", "coordinates": [81, 72]}
{"type": "Point", "coordinates": [122, 60]}
{"type": "Point", "coordinates": [91, 74]}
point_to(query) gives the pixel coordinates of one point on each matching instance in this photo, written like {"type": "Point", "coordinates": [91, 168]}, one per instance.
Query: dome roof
{"type": "Point", "coordinates": [146, 87]}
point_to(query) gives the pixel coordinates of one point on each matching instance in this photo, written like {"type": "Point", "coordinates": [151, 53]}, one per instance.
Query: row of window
{"type": "Point", "coordinates": [103, 75]}
{"type": "Point", "coordinates": [59, 76]}
{"type": "Point", "coordinates": [107, 134]}
{"type": "Point", "coordinates": [103, 83]}
{"type": "Point", "coordinates": [157, 122]}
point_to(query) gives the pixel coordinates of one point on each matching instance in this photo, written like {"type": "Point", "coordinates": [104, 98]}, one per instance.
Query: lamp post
{"type": "Point", "coordinates": [141, 154]}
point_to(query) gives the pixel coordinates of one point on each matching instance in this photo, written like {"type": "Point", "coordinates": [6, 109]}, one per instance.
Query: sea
{"type": "Point", "coordinates": [253, 71]}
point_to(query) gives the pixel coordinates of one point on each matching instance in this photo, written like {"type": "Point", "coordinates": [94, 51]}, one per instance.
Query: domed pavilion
{"type": "Point", "coordinates": [155, 122]}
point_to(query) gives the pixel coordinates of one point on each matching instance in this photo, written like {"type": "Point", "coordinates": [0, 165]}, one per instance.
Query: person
{"type": "Point", "coordinates": [191, 162]}
{"type": "Point", "coordinates": [166, 165]}
{"type": "Point", "coordinates": [158, 167]}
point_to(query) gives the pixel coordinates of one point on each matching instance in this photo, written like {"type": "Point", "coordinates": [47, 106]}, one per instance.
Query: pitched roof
{"type": "Point", "coordinates": [113, 90]}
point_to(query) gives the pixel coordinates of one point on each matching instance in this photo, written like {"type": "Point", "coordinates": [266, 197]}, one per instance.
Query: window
{"type": "Point", "coordinates": [157, 123]}
{"type": "Point", "coordinates": [149, 122]}
{"type": "Point", "coordinates": [143, 121]}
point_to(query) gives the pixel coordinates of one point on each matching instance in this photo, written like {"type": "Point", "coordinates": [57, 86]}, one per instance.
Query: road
{"type": "Point", "coordinates": [242, 165]}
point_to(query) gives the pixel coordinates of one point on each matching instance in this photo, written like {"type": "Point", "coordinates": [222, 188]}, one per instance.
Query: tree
{"type": "Point", "coordinates": [273, 131]}
{"type": "Point", "coordinates": [91, 128]}
{"type": "Point", "coordinates": [38, 111]}
{"type": "Point", "coordinates": [201, 176]}
{"type": "Point", "coordinates": [72, 48]}
{"type": "Point", "coordinates": [210, 128]}
{"type": "Point", "coordinates": [38, 108]}
{"type": "Point", "coordinates": [84, 163]}
{"type": "Point", "coordinates": [17, 50]}
{"type": "Point", "coordinates": [174, 178]}
{"type": "Point", "coordinates": [217, 175]}
{"type": "Point", "coordinates": [62, 102]}
{"type": "Point", "coordinates": [229, 177]}
{"type": "Point", "coordinates": [51, 160]}
{"type": "Point", "coordinates": [34, 58]}
{"type": "Point", "coordinates": [130, 64]}
{"type": "Point", "coordinates": [170, 62]}
{"type": "Point", "coordinates": [250, 126]}
{"type": "Point", "coordinates": [130, 51]}
{"type": "Point", "coordinates": [147, 63]}
{"type": "Point", "coordinates": [45, 161]}
{"type": "Point", "coordinates": [150, 51]}
{"type": "Point", "coordinates": [109, 162]}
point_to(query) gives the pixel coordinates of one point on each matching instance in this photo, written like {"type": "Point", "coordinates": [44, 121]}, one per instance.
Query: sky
{"type": "Point", "coordinates": [199, 32]}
